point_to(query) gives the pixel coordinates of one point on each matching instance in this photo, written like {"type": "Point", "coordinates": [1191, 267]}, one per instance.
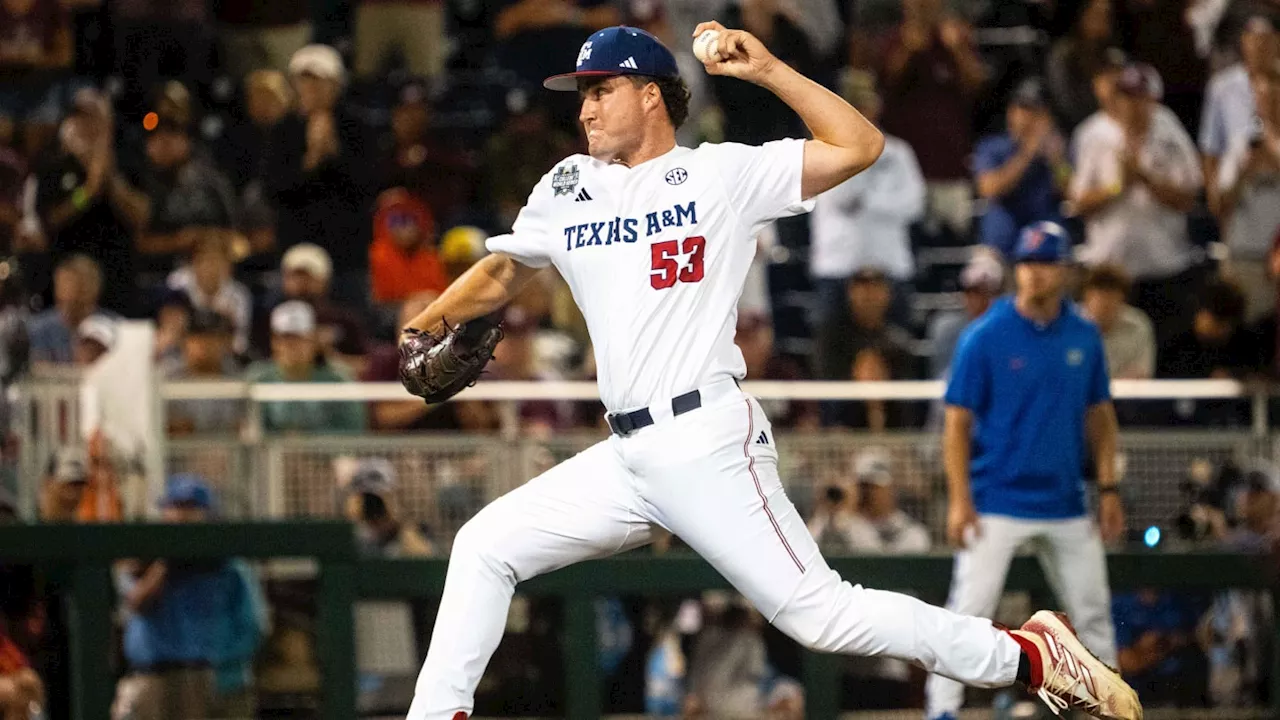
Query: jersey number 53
{"type": "Point", "coordinates": [676, 261]}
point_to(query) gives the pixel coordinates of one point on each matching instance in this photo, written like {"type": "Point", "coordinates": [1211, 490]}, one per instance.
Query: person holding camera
{"type": "Point", "coordinates": [1248, 183]}
{"type": "Point", "coordinates": [370, 506]}
{"type": "Point", "coordinates": [879, 525]}
{"type": "Point", "coordinates": [863, 516]}
{"type": "Point", "coordinates": [833, 517]}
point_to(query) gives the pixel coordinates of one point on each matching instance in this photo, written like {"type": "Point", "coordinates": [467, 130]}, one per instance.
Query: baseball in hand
{"type": "Point", "coordinates": [706, 47]}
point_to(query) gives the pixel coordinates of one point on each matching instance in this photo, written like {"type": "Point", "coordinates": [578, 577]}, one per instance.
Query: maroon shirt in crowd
{"type": "Point", "coordinates": [928, 106]}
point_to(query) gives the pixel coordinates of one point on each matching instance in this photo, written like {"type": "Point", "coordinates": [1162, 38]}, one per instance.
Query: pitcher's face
{"type": "Point", "coordinates": [612, 116]}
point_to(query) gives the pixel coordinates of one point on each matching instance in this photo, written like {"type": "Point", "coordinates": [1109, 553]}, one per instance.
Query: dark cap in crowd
{"type": "Point", "coordinates": [187, 489]}
{"type": "Point", "coordinates": [70, 464]}
{"type": "Point", "coordinates": [209, 322]}
{"type": "Point", "coordinates": [1030, 93]}
{"type": "Point", "coordinates": [1223, 299]}
{"type": "Point", "coordinates": [176, 298]}
{"type": "Point", "coordinates": [1259, 480]}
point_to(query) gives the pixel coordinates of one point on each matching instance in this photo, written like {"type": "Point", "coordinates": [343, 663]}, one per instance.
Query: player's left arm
{"type": "Point", "coordinates": [1102, 430]}
{"type": "Point", "coordinates": [844, 142]}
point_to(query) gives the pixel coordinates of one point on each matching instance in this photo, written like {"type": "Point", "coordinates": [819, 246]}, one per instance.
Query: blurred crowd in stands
{"type": "Point", "coordinates": [276, 205]}
{"type": "Point", "coordinates": [278, 185]}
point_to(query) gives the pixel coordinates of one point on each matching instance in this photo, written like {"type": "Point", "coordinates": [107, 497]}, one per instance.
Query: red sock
{"type": "Point", "coordinates": [1031, 655]}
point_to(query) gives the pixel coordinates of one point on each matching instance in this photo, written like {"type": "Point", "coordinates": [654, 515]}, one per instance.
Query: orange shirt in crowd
{"type": "Point", "coordinates": [101, 500]}
{"type": "Point", "coordinates": [396, 272]}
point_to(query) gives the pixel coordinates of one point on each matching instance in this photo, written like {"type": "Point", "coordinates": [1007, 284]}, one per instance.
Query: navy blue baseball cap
{"type": "Point", "coordinates": [618, 50]}
{"type": "Point", "coordinates": [187, 489]}
{"type": "Point", "coordinates": [1043, 242]}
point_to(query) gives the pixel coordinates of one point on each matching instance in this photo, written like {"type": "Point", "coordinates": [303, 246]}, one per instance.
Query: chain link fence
{"type": "Point", "coordinates": [443, 479]}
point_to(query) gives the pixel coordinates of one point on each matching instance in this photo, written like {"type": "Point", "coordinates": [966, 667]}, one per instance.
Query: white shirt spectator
{"type": "Point", "coordinates": [864, 221]}
{"type": "Point", "coordinates": [1228, 110]}
{"type": "Point", "coordinates": [1130, 346]}
{"type": "Point", "coordinates": [232, 300]}
{"type": "Point", "coordinates": [1148, 239]}
{"type": "Point", "coordinates": [1100, 124]}
{"type": "Point", "coordinates": [1255, 219]}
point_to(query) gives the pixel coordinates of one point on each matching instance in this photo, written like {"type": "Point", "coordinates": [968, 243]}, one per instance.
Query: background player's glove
{"type": "Point", "coordinates": [435, 367]}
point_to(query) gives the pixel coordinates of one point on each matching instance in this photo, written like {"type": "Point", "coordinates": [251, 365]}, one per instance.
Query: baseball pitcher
{"type": "Point", "coordinates": [655, 240]}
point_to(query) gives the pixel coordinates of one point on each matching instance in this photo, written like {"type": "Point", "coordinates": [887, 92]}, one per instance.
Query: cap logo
{"type": "Point", "coordinates": [629, 63]}
{"type": "Point", "coordinates": [585, 53]}
{"type": "Point", "coordinates": [1034, 238]}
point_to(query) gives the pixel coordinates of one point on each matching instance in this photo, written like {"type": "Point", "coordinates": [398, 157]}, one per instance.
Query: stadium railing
{"type": "Point", "coordinates": [443, 477]}
{"type": "Point", "coordinates": [82, 557]}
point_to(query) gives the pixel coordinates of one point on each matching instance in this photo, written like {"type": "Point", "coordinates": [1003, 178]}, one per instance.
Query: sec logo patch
{"type": "Point", "coordinates": [677, 176]}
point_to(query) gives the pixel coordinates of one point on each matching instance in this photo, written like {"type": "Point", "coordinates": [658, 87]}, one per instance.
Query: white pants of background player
{"type": "Point", "coordinates": [704, 477]}
{"type": "Point", "coordinates": [1074, 563]}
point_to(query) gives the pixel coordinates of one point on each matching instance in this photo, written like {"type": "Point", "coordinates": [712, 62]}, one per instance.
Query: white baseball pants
{"type": "Point", "coordinates": [1074, 563]}
{"type": "Point", "coordinates": [709, 477]}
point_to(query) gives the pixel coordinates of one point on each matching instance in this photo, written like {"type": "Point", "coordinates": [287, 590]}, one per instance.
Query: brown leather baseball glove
{"type": "Point", "coordinates": [435, 367]}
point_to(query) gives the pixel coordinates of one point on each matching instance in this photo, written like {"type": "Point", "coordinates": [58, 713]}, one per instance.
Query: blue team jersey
{"type": "Point", "coordinates": [1033, 199]}
{"type": "Point", "coordinates": [1028, 387]}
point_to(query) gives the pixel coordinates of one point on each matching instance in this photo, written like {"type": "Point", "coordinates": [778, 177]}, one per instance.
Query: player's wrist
{"type": "Point", "coordinates": [773, 74]}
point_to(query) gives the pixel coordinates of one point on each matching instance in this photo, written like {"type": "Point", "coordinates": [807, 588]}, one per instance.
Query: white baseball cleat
{"type": "Point", "coordinates": [1065, 675]}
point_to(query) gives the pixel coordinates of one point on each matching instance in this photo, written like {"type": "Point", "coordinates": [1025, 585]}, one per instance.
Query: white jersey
{"type": "Point", "coordinates": [656, 256]}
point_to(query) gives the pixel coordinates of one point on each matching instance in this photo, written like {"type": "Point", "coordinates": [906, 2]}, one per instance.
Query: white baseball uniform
{"type": "Point", "coordinates": [656, 256]}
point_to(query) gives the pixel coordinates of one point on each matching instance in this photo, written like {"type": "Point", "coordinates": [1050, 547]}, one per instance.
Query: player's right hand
{"type": "Point", "coordinates": [961, 516]}
{"type": "Point", "coordinates": [738, 54]}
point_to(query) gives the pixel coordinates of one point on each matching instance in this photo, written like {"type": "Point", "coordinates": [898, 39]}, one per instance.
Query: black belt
{"type": "Point", "coordinates": [627, 423]}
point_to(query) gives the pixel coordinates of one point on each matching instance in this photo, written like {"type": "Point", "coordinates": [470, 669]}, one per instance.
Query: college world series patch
{"type": "Point", "coordinates": [565, 179]}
